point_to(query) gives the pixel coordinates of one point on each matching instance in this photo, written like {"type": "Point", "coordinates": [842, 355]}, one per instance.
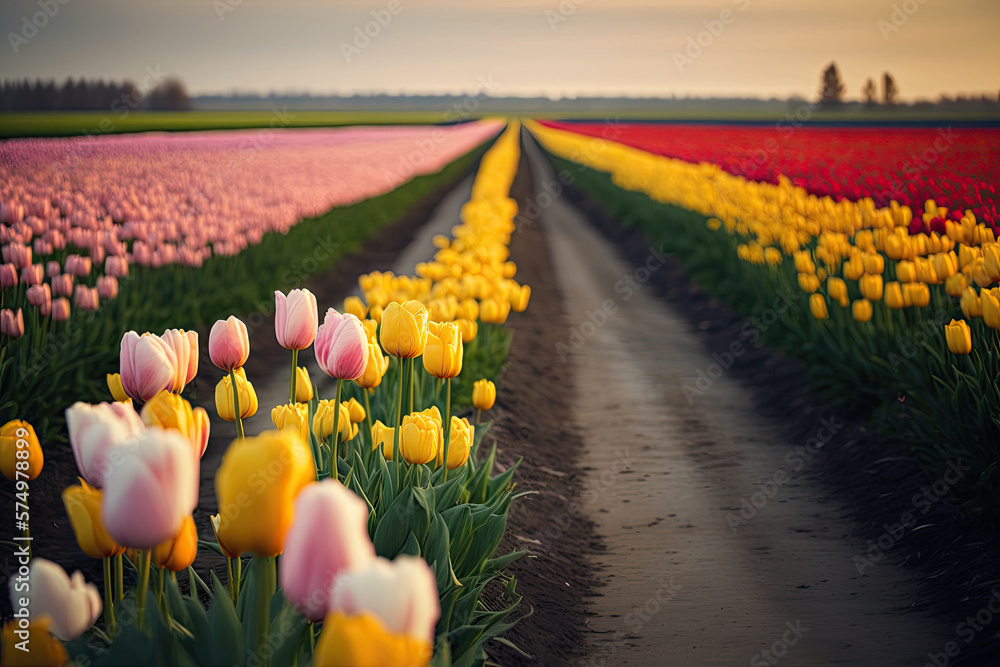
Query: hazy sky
{"type": "Point", "coordinates": [551, 47]}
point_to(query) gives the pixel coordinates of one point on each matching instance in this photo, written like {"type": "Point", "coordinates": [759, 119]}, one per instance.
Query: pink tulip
{"type": "Point", "coordinates": [33, 275]}
{"type": "Point", "coordinates": [402, 593]}
{"type": "Point", "coordinates": [295, 319]}
{"type": "Point", "coordinates": [107, 287]}
{"type": "Point", "coordinates": [78, 266]}
{"type": "Point", "coordinates": [148, 365]}
{"type": "Point", "coordinates": [10, 324]}
{"type": "Point", "coordinates": [17, 254]}
{"type": "Point", "coordinates": [86, 298]}
{"type": "Point", "coordinates": [62, 284]}
{"type": "Point", "coordinates": [149, 493]}
{"type": "Point", "coordinates": [71, 603]}
{"type": "Point", "coordinates": [329, 535]}
{"type": "Point", "coordinates": [229, 343]}
{"type": "Point", "coordinates": [53, 269]}
{"type": "Point", "coordinates": [40, 296]}
{"type": "Point", "coordinates": [95, 431]}
{"type": "Point", "coordinates": [60, 309]}
{"type": "Point", "coordinates": [8, 275]}
{"type": "Point", "coordinates": [342, 346]}
{"type": "Point", "coordinates": [185, 347]}
{"type": "Point", "coordinates": [116, 266]}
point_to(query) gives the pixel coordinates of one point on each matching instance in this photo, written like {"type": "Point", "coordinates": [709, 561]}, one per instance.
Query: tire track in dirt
{"type": "Point", "coordinates": [686, 578]}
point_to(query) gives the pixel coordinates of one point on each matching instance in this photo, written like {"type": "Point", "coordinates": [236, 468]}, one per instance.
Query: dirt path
{"type": "Point", "coordinates": [687, 578]}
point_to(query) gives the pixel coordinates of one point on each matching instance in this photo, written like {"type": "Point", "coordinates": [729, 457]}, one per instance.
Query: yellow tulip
{"type": "Point", "coordinates": [324, 418]}
{"type": "Point", "coordinates": [804, 262]}
{"type": "Point", "coordinates": [463, 434]}
{"type": "Point", "coordinates": [356, 411]}
{"type": "Point", "coordinates": [817, 304]}
{"type": "Point", "coordinates": [256, 486]}
{"type": "Point", "coordinates": [916, 294]}
{"type": "Point", "coordinates": [894, 296]}
{"type": "Point", "coordinates": [809, 282]}
{"type": "Point", "coordinates": [955, 285]}
{"type": "Point", "coordinates": [227, 551]}
{"type": "Point", "coordinates": [117, 390]}
{"type": "Point", "coordinates": [420, 437]}
{"type": "Point", "coordinates": [906, 271]}
{"type": "Point", "coordinates": [443, 353]}
{"type": "Point", "coordinates": [404, 329]}
{"type": "Point", "coordinates": [355, 306]}
{"type": "Point", "coordinates": [873, 263]}
{"type": "Point", "coordinates": [294, 415]}
{"type": "Point", "coordinates": [484, 394]}
{"type": "Point", "coordinates": [468, 328]}
{"type": "Point", "coordinates": [958, 336]}
{"type": "Point", "coordinates": [991, 309]}
{"type": "Point", "coordinates": [470, 309]}
{"type": "Point", "coordinates": [375, 368]}
{"type": "Point", "coordinates": [83, 506]}
{"type": "Point", "coordinates": [991, 260]}
{"type": "Point", "coordinates": [363, 641]}
{"type": "Point", "coordinates": [861, 310]}
{"type": "Point", "coordinates": [45, 649]}
{"type": "Point", "coordinates": [837, 289]}
{"type": "Point", "coordinates": [178, 552]}
{"type": "Point", "coordinates": [383, 435]}
{"type": "Point", "coordinates": [945, 265]}
{"type": "Point", "coordinates": [871, 287]}
{"type": "Point", "coordinates": [171, 412]}
{"type": "Point", "coordinates": [972, 306]}
{"type": "Point", "coordinates": [494, 311]}
{"type": "Point", "coordinates": [224, 397]}
{"type": "Point", "coordinates": [21, 455]}
{"type": "Point", "coordinates": [375, 313]}
{"type": "Point", "coordinates": [519, 297]}
{"type": "Point", "coordinates": [303, 385]}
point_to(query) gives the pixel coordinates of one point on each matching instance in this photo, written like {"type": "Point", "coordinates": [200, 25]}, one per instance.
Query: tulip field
{"type": "Point", "coordinates": [883, 240]}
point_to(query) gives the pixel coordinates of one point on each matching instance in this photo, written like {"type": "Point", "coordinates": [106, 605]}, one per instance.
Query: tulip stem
{"type": "Point", "coordinates": [266, 581]}
{"type": "Point", "coordinates": [399, 423]}
{"type": "Point", "coordinates": [479, 416]}
{"type": "Point", "coordinates": [292, 387]}
{"type": "Point", "coordinates": [334, 472]}
{"type": "Point", "coordinates": [109, 610]}
{"type": "Point", "coordinates": [239, 577]}
{"type": "Point", "coordinates": [412, 359]}
{"type": "Point", "coordinates": [229, 579]}
{"type": "Point", "coordinates": [144, 557]}
{"type": "Point", "coordinates": [447, 426]}
{"type": "Point", "coordinates": [120, 576]}
{"type": "Point", "coordinates": [368, 424]}
{"type": "Point", "coordinates": [237, 413]}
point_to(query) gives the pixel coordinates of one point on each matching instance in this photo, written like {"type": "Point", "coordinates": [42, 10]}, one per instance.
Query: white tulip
{"type": "Point", "coordinates": [71, 603]}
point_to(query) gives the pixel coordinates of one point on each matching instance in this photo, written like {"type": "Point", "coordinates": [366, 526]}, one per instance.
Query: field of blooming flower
{"type": "Point", "coordinates": [893, 302]}
{"type": "Point", "coordinates": [386, 511]}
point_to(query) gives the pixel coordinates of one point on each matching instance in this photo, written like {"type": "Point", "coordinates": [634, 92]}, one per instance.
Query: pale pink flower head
{"type": "Point", "coordinates": [185, 347]}
{"type": "Point", "coordinates": [62, 284]}
{"type": "Point", "coordinates": [329, 535]}
{"type": "Point", "coordinates": [40, 296]}
{"type": "Point", "coordinates": [53, 269]}
{"type": "Point", "coordinates": [11, 323]}
{"type": "Point", "coordinates": [148, 365]}
{"type": "Point", "coordinates": [149, 493]}
{"type": "Point", "coordinates": [86, 298]}
{"type": "Point", "coordinates": [95, 431]}
{"type": "Point", "coordinates": [17, 254]}
{"type": "Point", "coordinates": [33, 275]}
{"type": "Point", "coordinates": [402, 593]}
{"type": "Point", "coordinates": [71, 603]}
{"type": "Point", "coordinates": [116, 265]}
{"type": "Point", "coordinates": [342, 346]}
{"type": "Point", "coordinates": [295, 319]}
{"type": "Point", "coordinates": [107, 287]}
{"type": "Point", "coordinates": [8, 275]}
{"type": "Point", "coordinates": [229, 343]}
{"type": "Point", "coordinates": [60, 309]}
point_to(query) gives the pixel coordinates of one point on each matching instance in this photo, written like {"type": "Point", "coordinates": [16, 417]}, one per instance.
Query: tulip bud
{"type": "Point", "coordinates": [116, 388]}
{"type": "Point", "coordinates": [817, 304]}
{"type": "Point", "coordinates": [71, 603]}
{"type": "Point", "coordinates": [60, 310]}
{"type": "Point", "coordinates": [229, 344]}
{"type": "Point", "coordinates": [324, 418]}
{"type": "Point", "coordinates": [227, 551]}
{"type": "Point", "coordinates": [906, 271]}
{"type": "Point", "coordinates": [893, 295]}
{"type": "Point", "coordinates": [178, 552]}
{"type": "Point", "coordinates": [341, 346]}
{"type": "Point", "coordinates": [83, 506]}
{"type": "Point", "coordinates": [8, 275]}
{"type": "Point", "coordinates": [383, 435]}
{"type": "Point", "coordinates": [955, 285]}
{"type": "Point", "coordinates": [971, 304]}
{"type": "Point", "coordinates": [224, 397]}
{"type": "Point", "coordinates": [463, 435]}
{"type": "Point", "coordinates": [329, 535]}
{"type": "Point", "coordinates": [357, 412]}
{"type": "Point", "coordinates": [991, 309]}
{"type": "Point", "coordinates": [443, 351]}
{"type": "Point", "coordinates": [185, 347]}
{"type": "Point", "coordinates": [420, 437]}
{"type": "Point", "coordinates": [148, 365]}
{"type": "Point", "coordinates": [468, 328]}
{"type": "Point", "coordinates": [294, 416]}
{"type": "Point", "coordinates": [837, 289]}
{"type": "Point", "coordinates": [171, 412]}
{"type": "Point", "coordinates": [149, 493]}
{"type": "Point", "coordinates": [484, 393]}
{"type": "Point", "coordinates": [916, 294]}
{"type": "Point", "coordinates": [958, 335]}
{"type": "Point", "coordinates": [11, 324]}
{"type": "Point", "coordinates": [303, 385]}
{"type": "Point", "coordinates": [264, 519]}
{"type": "Point", "coordinates": [495, 312]}
{"type": "Point", "coordinates": [21, 455]}
{"type": "Point", "coordinates": [355, 306]}
{"type": "Point", "coordinates": [871, 287]}
{"type": "Point", "coordinates": [404, 329]}
{"type": "Point", "coordinates": [519, 297]}
{"type": "Point", "coordinates": [95, 431]}
{"type": "Point", "coordinates": [861, 310]}
{"type": "Point", "coordinates": [295, 319]}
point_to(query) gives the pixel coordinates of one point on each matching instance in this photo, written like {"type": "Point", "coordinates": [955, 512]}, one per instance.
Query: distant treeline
{"type": "Point", "coordinates": [154, 93]}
